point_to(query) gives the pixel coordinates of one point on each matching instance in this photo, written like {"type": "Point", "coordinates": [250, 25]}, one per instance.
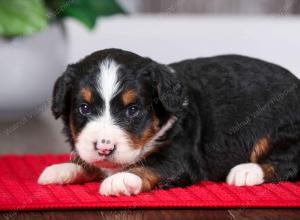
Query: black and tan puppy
{"type": "Point", "coordinates": [139, 124]}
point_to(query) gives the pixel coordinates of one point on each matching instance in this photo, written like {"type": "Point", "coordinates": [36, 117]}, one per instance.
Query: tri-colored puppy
{"type": "Point", "coordinates": [138, 124]}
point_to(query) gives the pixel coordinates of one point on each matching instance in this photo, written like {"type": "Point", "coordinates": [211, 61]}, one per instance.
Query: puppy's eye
{"type": "Point", "coordinates": [85, 109]}
{"type": "Point", "coordinates": [132, 111]}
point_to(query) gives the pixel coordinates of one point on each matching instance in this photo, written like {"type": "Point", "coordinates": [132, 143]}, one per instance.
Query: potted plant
{"type": "Point", "coordinates": [33, 47]}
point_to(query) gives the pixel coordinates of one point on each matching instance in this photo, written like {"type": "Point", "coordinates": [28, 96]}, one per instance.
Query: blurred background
{"type": "Point", "coordinates": [39, 38]}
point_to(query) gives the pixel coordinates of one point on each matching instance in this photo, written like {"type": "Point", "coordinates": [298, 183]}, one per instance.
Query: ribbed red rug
{"type": "Point", "coordinates": [19, 191]}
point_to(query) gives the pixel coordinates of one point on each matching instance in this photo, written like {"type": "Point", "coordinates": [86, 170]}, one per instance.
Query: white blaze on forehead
{"type": "Point", "coordinates": [108, 81]}
{"type": "Point", "coordinates": [107, 87]}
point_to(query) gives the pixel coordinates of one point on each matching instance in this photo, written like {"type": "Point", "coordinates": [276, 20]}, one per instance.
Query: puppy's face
{"type": "Point", "coordinates": [115, 108]}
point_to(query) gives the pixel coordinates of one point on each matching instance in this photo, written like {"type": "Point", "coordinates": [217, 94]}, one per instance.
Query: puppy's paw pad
{"type": "Point", "coordinates": [59, 174]}
{"type": "Point", "coordinates": [121, 184]}
{"type": "Point", "coordinates": [248, 174]}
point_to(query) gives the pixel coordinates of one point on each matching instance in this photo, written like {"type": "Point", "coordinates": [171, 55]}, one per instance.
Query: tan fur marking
{"type": "Point", "coordinates": [149, 178]}
{"type": "Point", "coordinates": [86, 94]}
{"type": "Point", "coordinates": [128, 97]}
{"type": "Point", "coordinates": [73, 130]}
{"type": "Point", "coordinates": [139, 142]}
{"type": "Point", "coordinates": [93, 172]}
{"type": "Point", "coordinates": [269, 172]}
{"type": "Point", "coordinates": [260, 149]}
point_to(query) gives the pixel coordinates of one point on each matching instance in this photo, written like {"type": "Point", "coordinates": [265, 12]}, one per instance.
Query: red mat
{"type": "Point", "coordinates": [19, 191]}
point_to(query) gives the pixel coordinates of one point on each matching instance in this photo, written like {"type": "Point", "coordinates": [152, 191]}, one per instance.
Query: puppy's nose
{"type": "Point", "coordinates": [105, 147]}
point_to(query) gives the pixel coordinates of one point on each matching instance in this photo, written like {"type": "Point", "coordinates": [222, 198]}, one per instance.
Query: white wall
{"type": "Point", "coordinates": [168, 38]}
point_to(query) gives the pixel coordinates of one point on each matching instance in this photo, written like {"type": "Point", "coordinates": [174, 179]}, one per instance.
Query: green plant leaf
{"type": "Point", "coordinates": [22, 17]}
{"type": "Point", "coordinates": [87, 11]}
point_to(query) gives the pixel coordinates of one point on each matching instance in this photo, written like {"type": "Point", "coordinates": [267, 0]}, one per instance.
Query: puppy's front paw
{"type": "Point", "coordinates": [60, 174]}
{"type": "Point", "coordinates": [123, 183]}
{"type": "Point", "coordinates": [248, 174]}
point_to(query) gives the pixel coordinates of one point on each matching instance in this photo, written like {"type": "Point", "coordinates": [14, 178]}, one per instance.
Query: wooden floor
{"type": "Point", "coordinates": [222, 214]}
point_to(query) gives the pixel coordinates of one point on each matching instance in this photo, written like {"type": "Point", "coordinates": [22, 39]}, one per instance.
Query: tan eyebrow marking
{"type": "Point", "coordinates": [129, 96]}
{"type": "Point", "coordinates": [86, 94]}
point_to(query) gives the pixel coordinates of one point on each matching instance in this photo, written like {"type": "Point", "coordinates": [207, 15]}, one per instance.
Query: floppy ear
{"type": "Point", "coordinates": [170, 89]}
{"type": "Point", "coordinates": [60, 99]}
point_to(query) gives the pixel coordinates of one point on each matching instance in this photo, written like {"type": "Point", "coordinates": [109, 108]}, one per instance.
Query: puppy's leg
{"type": "Point", "coordinates": [275, 168]}
{"type": "Point", "coordinates": [279, 161]}
{"type": "Point", "coordinates": [65, 173]}
{"type": "Point", "coordinates": [131, 182]}
{"type": "Point", "coordinates": [283, 163]}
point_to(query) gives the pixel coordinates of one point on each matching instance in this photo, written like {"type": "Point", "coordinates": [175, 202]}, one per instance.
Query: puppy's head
{"type": "Point", "coordinates": [116, 105]}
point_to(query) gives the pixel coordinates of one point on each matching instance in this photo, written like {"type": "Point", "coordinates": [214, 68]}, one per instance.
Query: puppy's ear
{"type": "Point", "coordinates": [61, 93]}
{"type": "Point", "coordinates": [170, 90]}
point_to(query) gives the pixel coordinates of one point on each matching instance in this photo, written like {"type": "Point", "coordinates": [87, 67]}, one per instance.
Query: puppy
{"type": "Point", "coordinates": [137, 124]}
